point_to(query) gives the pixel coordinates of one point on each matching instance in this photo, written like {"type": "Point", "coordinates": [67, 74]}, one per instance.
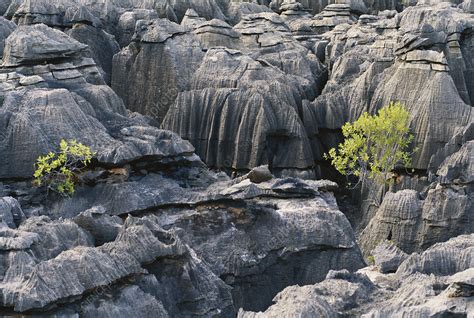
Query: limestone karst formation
{"type": "Point", "coordinates": [208, 194]}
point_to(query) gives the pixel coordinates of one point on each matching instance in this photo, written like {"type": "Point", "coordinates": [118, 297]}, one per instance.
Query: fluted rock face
{"type": "Point", "coordinates": [127, 21]}
{"type": "Point", "coordinates": [439, 103]}
{"type": "Point", "coordinates": [455, 255]}
{"type": "Point", "coordinates": [415, 224]}
{"type": "Point", "coordinates": [102, 226]}
{"type": "Point", "coordinates": [396, 219]}
{"type": "Point", "coordinates": [267, 37]}
{"type": "Point", "coordinates": [231, 244]}
{"type": "Point", "coordinates": [38, 44]}
{"type": "Point", "coordinates": [151, 231]}
{"type": "Point", "coordinates": [239, 8]}
{"type": "Point", "coordinates": [6, 28]}
{"type": "Point", "coordinates": [437, 282]}
{"type": "Point", "coordinates": [148, 86]}
{"type": "Point", "coordinates": [387, 256]}
{"type": "Point", "coordinates": [101, 45]}
{"type": "Point", "coordinates": [130, 301]}
{"type": "Point", "coordinates": [325, 299]}
{"type": "Point", "coordinates": [369, 70]}
{"type": "Point", "coordinates": [357, 6]}
{"type": "Point", "coordinates": [47, 103]}
{"type": "Point", "coordinates": [215, 33]}
{"type": "Point", "coordinates": [459, 167]}
{"type": "Point", "coordinates": [241, 105]}
{"type": "Point", "coordinates": [250, 119]}
{"type": "Point", "coordinates": [11, 213]}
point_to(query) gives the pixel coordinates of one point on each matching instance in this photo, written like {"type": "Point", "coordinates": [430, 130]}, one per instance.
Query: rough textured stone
{"type": "Point", "coordinates": [6, 28]}
{"type": "Point", "coordinates": [443, 259]}
{"type": "Point", "coordinates": [10, 212]}
{"type": "Point", "coordinates": [68, 104]}
{"type": "Point", "coordinates": [421, 292]}
{"type": "Point", "coordinates": [102, 227]}
{"type": "Point", "coordinates": [150, 87]}
{"type": "Point", "coordinates": [254, 126]}
{"type": "Point", "coordinates": [245, 86]}
{"type": "Point", "coordinates": [388, 256]}
{"type": "Point", "coordinates": [38, 44]}
{"type": "Point", "coordinates": [101, 45]}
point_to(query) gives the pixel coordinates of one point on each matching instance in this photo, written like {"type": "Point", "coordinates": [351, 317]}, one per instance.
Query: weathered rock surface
{"type": "Point", "coordinates": [69, 92]}
{"type": "Point", "coordinates": [240, 125]}
{"type": "Point", "coordinates": [427, 285]}
{"type": "Point", "coordinates": [102, 226]}
{"type": "Point", "coordinates": [415, 224]}
{"type": "Point", "coordinates": [38, 44]}
{"type": "Point", "coordinates": [6, 28]}
{"type": "Point", "coordinates": [264, 231]}
{"type": "Point", "coordinates": [151, 231]}
{"type": "Point", "coordinates": [148, 86]}
{"type": "Point", "coordinates": [101, 45]}
{"type": "Point", "coordinates": [10, 212]}
{"type": "Point", "coordinates": [388, 257]}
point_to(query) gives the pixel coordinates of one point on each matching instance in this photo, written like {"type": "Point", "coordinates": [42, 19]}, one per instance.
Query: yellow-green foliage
{"type": "Point", "coordinates": [58, 170]}
{"type": "Point", "coordinates": [374, 144]}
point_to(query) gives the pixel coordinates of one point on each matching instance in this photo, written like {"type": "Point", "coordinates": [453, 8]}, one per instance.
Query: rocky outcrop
{"type": "Point", "coordinates": [127, 22]}
{"type": "Point", "coordinates": [101, 45]}
{"type": "Point", "coordinates": [415, 224]}
{"type": "Point", "coordinates": [257, 119]}
{"type": "Point", "coordinates": [11, 213]}
{"type": "Point", "coordinates": [388, 257]}
{"type": "Point", "coordinates": [426, 285]}
{"type": "Point", "coordinates": [38, 44]}
{"type": "Point", "coordinates": [151, 231]}
{"type": "Point", "coordinates": [92, 114]}
{"type": "Point", "coordinates": [442, 259]}
{"type": "Point", "coordinates": [269, 228]}
{"type": "Point", "coordinates": [415, 221]}
{"type": "Point", "coordinates": [150, 87]}
{"type": "Point", "coordinates": [6, 28]}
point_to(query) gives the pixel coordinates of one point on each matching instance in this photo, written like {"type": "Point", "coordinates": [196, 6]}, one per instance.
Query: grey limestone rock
{"type": "Point", "coordinates": [103, 227]}
{"type": "Point", "coordinates": [38, 44]}
{"type": "Point", "coordinates": [414, 224]}
{"type": "Point", "coordinates": [444, 259]}
{"type": "Point", "coordinates": [179, 54]}
{"type": "Point", "coordinates": [247, 119]}
{"type": "Point", "coordinates": [388, 256]}
{"type": "Point", "coordinates": [54, 236]}
{"type": "Point", "coordinates": [10, 212]}
{"type": "Point", "coordinates": [431, 284]}
{"type": "Point", "coordinates": [6, 28]}
{"type": "Point", "coordinates": [84, 109]}
{"type": "Point", "coordinates": [101, 45]}
{"type": "Point", "coordinates": [131, 301]}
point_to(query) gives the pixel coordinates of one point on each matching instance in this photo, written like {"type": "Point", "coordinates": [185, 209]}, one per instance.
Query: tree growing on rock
{"type": "Point", "coordinates": [59, 170]}
{"type": "Point", "coordinates": [374, 145]}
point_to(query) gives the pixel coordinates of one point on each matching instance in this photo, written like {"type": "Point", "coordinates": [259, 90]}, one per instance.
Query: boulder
{"type": "Point", "coordinates": [103, 227]}
{"type": "Point", "coordinates": [10, 212]}
{"type": "Point", "coordinates": [38, 44]}
{"type": "Point", "coordinates": [388, 256]}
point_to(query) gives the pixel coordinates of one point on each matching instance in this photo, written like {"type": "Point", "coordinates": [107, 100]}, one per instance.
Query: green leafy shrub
{"type": "Point", "coordinates": [374, 145]}
{"type": "Point", "coordinates": [59, 170]}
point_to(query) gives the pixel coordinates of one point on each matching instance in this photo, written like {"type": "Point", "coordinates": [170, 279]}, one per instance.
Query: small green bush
{"type": "Point", "coordinates": [374, 145]}
{"type": "Point", "coordinates": [371, 260]}
{"type": "Point", "coordinates": [59, 170]}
